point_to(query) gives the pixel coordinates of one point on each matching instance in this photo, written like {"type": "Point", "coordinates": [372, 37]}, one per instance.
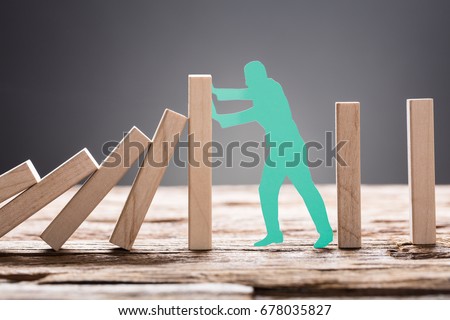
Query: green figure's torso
{"type": "Point", "coordinates": [273, 113]}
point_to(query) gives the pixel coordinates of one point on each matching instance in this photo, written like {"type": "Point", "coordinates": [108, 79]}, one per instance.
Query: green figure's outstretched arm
{"type": "Point", "coordinates": [231, 94]}
{"type": "Point", "coordinates": [233, 119]}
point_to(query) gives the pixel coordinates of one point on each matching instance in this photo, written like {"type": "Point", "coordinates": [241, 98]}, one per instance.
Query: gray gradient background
{"type": "Point", "coordinates": [76, 74]}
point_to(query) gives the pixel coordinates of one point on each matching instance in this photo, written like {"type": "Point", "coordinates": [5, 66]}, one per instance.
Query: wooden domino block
{"type": "Point", "coordinates": [348, 177]}
{"type": "Point", "coordinates": [17, 180]}
{"type": "Point", "coordinates": [421, 173]}
{"type": "Point", "coordinates": [96, 188]}
{"type": "Point", "coordinates": [200, 175]}
{"type": "Point", "coordinates": [48, 189]}
{"type": "Point", "coordinates": [148, 179]}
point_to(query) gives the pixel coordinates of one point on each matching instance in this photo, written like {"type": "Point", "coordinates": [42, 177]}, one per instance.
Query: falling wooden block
{"type": "Point", "coordinates": [126, 153]}
{"type": "Point", "coordinates": [17, 180]}
{"type": "Point", "coordinates": [148, 179]}
{"type": "Point", "coordinates": [421, 174]}
{"type": "Point", "coordinates": [200, 174]}
{"type": "Point", "coordinates": [48, 189]}
{"type": "Point", "coordinates": [348, 177]}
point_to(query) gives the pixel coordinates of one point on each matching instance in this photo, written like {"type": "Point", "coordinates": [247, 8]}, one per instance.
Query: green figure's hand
{"type": "Point", "coordinates": [214, 114]}
{"type": "Point", "coordinates": [214, 111]}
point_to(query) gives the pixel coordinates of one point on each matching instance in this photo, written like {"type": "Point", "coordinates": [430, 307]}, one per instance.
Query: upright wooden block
{"type": "Point", "coordinates": [148, 179]}
{"type": "Point", "coordinates": [200, 175]}
{"type": "Point", "coordinates": [421, 174]}
{"type": "Point", "coordinates": [18, 179]}
{"type": "Point", "coordinates": [348, 176]}
{"type": "Point", "coordinates": [114, 167]}
{"type": "Point", "coordinates": [48, 189]}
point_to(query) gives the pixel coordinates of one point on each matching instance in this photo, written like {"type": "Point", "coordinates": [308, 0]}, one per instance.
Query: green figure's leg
{"type": "Point", "coordinates": [316, 207]}
{"type": "Point", "coordinates": [269, 189]}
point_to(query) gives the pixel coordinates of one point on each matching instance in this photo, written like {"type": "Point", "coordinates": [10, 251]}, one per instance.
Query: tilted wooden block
{"type": "Point", "coordinates": [18, 179]}
{"type": "Point", "coordinates": [148, 179]}
{"type": "Point", "coordinates": [421, 173]}
{"type": "Point", "coordinates": [200, 175]}
{"type": "Point", "coordinates": [96, 188]}
{"type": "Point", "coordinates": [48, 189]}
{"type": "Point", "coordinates": [348, 177]}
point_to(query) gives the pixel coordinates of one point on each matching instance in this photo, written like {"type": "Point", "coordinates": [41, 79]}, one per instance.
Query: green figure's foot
{"type": "Point", "coordinates": [324, 240]}
{"type": "Point", "coordinates": [269, 239]}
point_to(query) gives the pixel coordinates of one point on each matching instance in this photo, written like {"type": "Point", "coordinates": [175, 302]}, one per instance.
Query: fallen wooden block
{"type": "Point", "coordinates": [48, 189]}
{"type": "Point", "coordinates": [200, 175]}
{"type": "Point", "coordinates": [148, 179]}
{"type": "Point", "coordinates": [126, 153]}
{"type": "Point", "coordinates": [421, 173]}
{"type": "Point", "coordinates": [348, 177]}
{"type": "Point", "coordinates": [17, 180]}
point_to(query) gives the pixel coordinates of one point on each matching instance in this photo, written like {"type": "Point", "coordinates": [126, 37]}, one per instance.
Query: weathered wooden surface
{"type": "Point", "coordinates": [160, 265]}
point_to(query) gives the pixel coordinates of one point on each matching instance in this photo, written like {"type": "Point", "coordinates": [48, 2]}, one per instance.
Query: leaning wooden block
{"type": "Point", "coordinates": [18, 179]}
{"type": "Point", "coordinates": [421, 171]}
{"type": "Point", "coordinates": [200, 174]}
{"type": "Point", "coordinates": [96, 188]}
{"type": "Point", "coordinates": [348, 175]}
{"type": "Point", "coordinates": [48, 189]}
{"type": "Point", "coordinates": [148, 179]}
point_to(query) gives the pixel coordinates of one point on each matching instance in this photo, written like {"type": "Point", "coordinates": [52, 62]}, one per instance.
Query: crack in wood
{"type": "Point", "coordinates": [22, 277]}
{"type": "Point", "coordinates": [409, 251]}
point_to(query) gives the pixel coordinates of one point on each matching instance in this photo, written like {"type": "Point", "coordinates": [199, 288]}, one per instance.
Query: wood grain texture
{"type": "Point", "coordinates": [48, 189]}
{"type": "Point", "coordinates": [17, 180]}
{"type": "Point", "coordinates": [148, 179]}
{"type": "Point", "coordinates": [200, 174]}
{"type": "Point", "coordinates": [191, 291]}
{"type": "Point", "coordinates": [126, 153]}
{"type": "Point", "coordinates": [387, 266]}
{"type": "Point", "coordinates": [348, 175]}
{"type": "Point", "coordinates": [421, 173]}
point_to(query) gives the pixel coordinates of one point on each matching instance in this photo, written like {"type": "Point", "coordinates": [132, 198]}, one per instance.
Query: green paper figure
{"type": "Point", "coordinates": [271, 110]}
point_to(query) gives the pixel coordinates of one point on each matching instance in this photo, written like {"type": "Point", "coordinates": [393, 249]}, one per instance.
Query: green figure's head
{"type": "Point", "coordinates": [255, 73]}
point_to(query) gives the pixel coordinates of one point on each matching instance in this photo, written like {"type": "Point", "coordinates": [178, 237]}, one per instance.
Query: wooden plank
{"type": "Point", "coordinates": [387, 266]}
{"type": "Point", "coordinates": [48, 189]}
{"type": "Point", "coordinates": [17, 180]}
{"type": "Point", "coordinates": [421, 173]}
{"type": "Point", "coordinates": [190, 291]}
{"type": "Point", "coordinates": [200, 174]}
{"type": "Point", "coordinates": [148, 179]}
{"type": "Point", "coordinates": [126, 153]}
{"type": "Point", "coordinates": [348, 175]}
